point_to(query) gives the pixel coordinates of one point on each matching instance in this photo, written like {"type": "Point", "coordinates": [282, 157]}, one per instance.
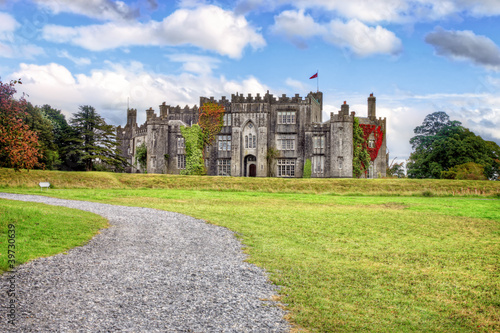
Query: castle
{"type": "Point", "coordinates": [292, 127]}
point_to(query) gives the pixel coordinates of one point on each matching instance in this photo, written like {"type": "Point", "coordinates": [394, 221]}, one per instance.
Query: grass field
{"type": "Point", "coordinates": [39, 230]}
{"type": "Point", "coordinates": [347, 263]}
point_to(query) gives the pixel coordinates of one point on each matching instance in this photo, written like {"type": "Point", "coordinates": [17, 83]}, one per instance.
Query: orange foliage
{"type": "Point", "coordinates": [19, 147]}
{"type": "Point", "coordinates": [211, 122]}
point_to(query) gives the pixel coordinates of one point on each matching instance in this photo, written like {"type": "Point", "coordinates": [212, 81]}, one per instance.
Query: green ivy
{"type": "Point", "coordinates": [193, 138]}
{"type": "Point", "coordinates": [307, 169]}
{"type": "Point", "coordinates": [141, 157]}
{"type": "Point", "coordinates": [360, 157]}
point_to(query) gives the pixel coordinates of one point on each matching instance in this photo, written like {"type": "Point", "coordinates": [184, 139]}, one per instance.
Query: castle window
{"type": "Point", "coordinates": [224, 167]}
{"type": "Point", "coordinates": [153, 161]}
{"type": "Point", "coordinates": [286, 142]}
{"type": "Point", "coordinates": [224, 142]}
{"type": "Point", "coordinates": [286, 117]}
{"type": "Point", "coordinates": [250, 125]}
{"type": "Point", "coordinates": [181, 146]}
{"type": "Point", "coordinates": [318, 165]}
{"type": "Point", "coordinates": [286, 168]}
{"type": "Point", "coordinates": [318, 144]}
{"type": "Point", "coordinates": [227, 119]}
{"type": "Point", "coordinates": [341, 162]}
{"type": "Point", "coordinates": [181, 161]}
{"type": "Point", "coordinates": [371, 143]}
{"type": "Point", "coordinates": [250, 141]}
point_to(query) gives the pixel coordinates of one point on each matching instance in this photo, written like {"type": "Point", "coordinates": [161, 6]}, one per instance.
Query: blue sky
{"type": "Point", "coordinates": [416, 56]}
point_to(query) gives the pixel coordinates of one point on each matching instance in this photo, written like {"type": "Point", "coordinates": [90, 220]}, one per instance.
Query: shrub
{"type": "Point", "coordinates": [307, 169]}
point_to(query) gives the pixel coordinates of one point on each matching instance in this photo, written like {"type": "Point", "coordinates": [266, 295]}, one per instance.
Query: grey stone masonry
{"type": "Point", "coordinates": [254, 125]}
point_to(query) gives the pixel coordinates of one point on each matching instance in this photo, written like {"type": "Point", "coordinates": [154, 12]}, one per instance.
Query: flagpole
{"type": "Point", "coordinates": [317, 80]}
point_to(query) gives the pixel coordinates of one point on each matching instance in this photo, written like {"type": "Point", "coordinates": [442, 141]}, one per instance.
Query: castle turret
{"type": "Point", "coordinates": [372, 114]}
{"type": "Point", "coordinates": [164, 108]}
{"type": "Point", "coordinates": [132, 117]}
{"type": "Point", "coordinates": [150, 114]}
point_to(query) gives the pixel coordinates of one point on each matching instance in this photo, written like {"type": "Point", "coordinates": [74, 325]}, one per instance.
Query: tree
{"type": "Point", "coordinates": [361, 157]}
{"type": "Point", "coordinates": [19, 147]}
{"type": "Point", "coordinates": [271, 156]}
{"type": "Point", "coordinates": [63, 134]}
{"type": "Point", "coordinates": [211, 122]}
{"type": "Point", "coordinates": [470, 170]}
{"type": "Point", "coordinates": [95, 141]}
{"type": "Point", "coordinates": [395, 169]}
{"type": "Point", "coordinates": [432, 124]}
{"type": "Point", "coordinates": [449, 146]}
{"type": "Point", "coordinates": [38, 121]}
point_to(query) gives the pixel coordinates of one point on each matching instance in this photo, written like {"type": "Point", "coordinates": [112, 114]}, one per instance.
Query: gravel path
{"type": "Point", "coordinates": [152, 271]}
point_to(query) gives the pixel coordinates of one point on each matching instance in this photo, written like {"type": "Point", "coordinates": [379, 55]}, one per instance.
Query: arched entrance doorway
{"type": "Point", "coordinates": [252, 170]}
{"type": "Point", "coordinates": [250, 166]}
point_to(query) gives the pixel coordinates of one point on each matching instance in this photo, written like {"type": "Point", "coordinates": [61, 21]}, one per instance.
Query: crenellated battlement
{"type": "Point", "coordinates": [141, 130]}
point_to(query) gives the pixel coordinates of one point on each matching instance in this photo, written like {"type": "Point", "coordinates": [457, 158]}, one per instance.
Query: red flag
{"type": "Point", "coordinates": [314, 76]}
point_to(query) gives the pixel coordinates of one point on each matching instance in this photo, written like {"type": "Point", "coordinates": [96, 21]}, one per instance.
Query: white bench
{"type": "Point", "coordinates": [44, 184]}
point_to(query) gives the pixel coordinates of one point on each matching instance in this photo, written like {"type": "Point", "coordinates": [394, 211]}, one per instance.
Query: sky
{"type": "Point", "coordinates": [416, 56]}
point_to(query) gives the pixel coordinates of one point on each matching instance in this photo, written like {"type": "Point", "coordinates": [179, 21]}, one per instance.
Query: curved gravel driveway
{"type": "Point", "coordinates": [151, 271]}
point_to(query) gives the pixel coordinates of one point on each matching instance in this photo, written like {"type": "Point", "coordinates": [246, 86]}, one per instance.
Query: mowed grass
{"type": "Point", "coordinates": [387, 187]}
{"type": "Point", "coordinates": [355, 263]}
{"type": "Point", "coordinates": [42, 230]}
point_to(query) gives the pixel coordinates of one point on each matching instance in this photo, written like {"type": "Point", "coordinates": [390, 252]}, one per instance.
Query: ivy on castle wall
{"type": "Point", "coordinates": [379, 138]}
{"type": "Point", "coordinates": [307, 169]}
{"type": "Point", "coordinates": [211, 122]}
{"type": "Point", "coordinates": [361, 158]}
{"type": "Point", "coordinates": [193, 138]}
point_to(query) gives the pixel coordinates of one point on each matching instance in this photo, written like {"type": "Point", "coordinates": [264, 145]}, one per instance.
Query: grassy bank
{"type": "Point", "coordinates": [355, 263]}
{"type": "Point", "coordinates": [386, 187]}
{"type": "Point", "coordinates": [38, 230]}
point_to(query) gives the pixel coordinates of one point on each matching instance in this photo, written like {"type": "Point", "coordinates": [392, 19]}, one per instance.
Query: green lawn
{"type": "Point", "coordinates": [38, 230]}
{"type": "Point", "coordinates": [355, 263]}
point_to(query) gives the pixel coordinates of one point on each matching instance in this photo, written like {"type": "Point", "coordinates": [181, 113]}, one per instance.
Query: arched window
{"type": "Point", "coordinates": [249, 132]}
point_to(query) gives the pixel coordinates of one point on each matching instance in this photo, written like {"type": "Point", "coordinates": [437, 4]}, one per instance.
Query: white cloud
{"type": "Point", "coordinates": [293, 23]}
{"type": "Point", "coordinates": [352, 35]}
{"type": "Point", "coordinates": [391, 11]}
{"type": "Point", "coordinates": [295, 84]}
{"type": "Point", "coordinates": [108, 89]}
{"type": "Point", "coordinates": [465, 45]}
{"type": "Point", "coordinates": [207, 27]}
{"type": "Point", "coordinates": [78, 61]}
{"type": "Point", "coordinates": [363, 40]}
{"type": "Point", "coordinates": [99, 9]}
{"type": "Point", "coordinates": [195, 63]}
{"type": "Point", "coordinates": [7, 25]}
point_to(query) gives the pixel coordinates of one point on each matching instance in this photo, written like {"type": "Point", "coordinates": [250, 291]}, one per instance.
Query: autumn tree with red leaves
{"type": "Point", "coordinates": [19, 147]}
{"type": "Point", "coordinates": [211, 122]}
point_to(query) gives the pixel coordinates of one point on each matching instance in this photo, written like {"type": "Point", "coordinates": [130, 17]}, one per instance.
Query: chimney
{"type": "Point", "coordinates": [344, 109]}
{"type": "Point", "coordinates": [372, 114]}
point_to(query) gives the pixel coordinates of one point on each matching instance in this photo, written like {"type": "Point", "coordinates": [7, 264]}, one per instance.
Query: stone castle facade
{"type": "Point", "coordinates": [292, 126]}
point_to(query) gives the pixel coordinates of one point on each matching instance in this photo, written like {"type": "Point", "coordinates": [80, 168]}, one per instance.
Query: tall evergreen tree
{"type": "Point", "coordinates": [94, 140]}
{"type": "Point", "coordinates": [38, 121]}
{"type": "Point", "coordinates": [63, 134]}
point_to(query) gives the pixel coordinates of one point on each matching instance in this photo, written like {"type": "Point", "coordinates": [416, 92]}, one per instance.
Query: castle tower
{"type": "Point", "coordinates": [372, 107]}
{"type": "Point", "coordinates": [164, 108]}
{"type": "Point", "coordinates": [131, 117]}
{"type": "Point", "coordinates": [150, 114]}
